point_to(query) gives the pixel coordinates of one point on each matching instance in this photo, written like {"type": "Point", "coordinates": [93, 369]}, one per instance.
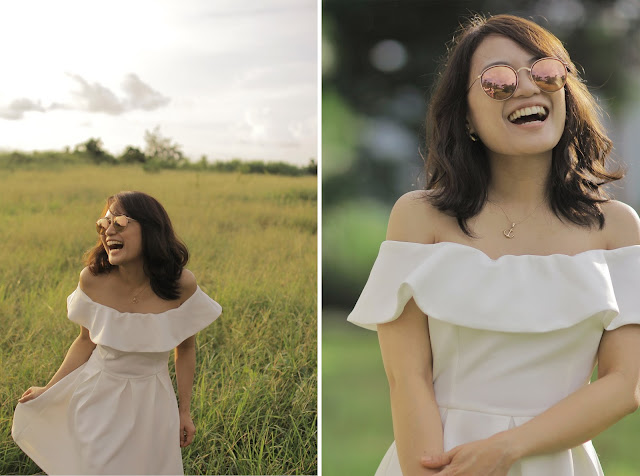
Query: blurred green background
{"type": "Point", "coordinates": [380, 58]}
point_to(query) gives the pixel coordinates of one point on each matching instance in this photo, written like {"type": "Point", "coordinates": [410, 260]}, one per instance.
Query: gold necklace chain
{"type": "Point", "coordinates": [137, 295]}
{"type": "Point", "coordinates": [508, 233]}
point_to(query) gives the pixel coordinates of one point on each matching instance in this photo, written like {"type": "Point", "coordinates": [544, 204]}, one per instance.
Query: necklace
{"type": "Point", "coordinates": [135, 299]}
{"type": "Point", "coordinates": [508, 232]}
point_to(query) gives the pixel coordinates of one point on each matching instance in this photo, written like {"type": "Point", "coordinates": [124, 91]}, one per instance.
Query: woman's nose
{"type": "Point", "coordinates": [526, 86]}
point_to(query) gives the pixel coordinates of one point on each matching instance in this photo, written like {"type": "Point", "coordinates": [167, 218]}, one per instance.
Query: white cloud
{"type": "Point", "coordinates": [141, 95]}
{"type": "Point", "coordinates": [15, 109]}
{"type": "Point", "coordinates": [94, 97]}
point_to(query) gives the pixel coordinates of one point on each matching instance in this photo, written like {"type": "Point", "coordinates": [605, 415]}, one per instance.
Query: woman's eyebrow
{"type": "Point", "coordinates": [502, 62]}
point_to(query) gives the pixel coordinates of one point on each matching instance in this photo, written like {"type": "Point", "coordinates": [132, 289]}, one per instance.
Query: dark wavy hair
{"type": "Point", "coordinates": [457, 169]}
{"type": "Point", "coordinates": [164, 254]}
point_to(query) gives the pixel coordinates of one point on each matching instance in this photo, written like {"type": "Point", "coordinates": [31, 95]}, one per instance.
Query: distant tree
{"type": "Point", "coordinates": [312, 168]}
{"type": "Point", "coordinates": [94, 149]}
{"type": "Point", "coordinates": [162, 149]}
{"type": "Point", "coordinates": [133, 155]}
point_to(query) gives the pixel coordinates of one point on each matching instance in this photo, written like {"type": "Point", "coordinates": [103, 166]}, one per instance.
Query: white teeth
{"type": "Point", "coordinates": [111, 243]}
{"type": "Point", "coordinates": [528, 111]}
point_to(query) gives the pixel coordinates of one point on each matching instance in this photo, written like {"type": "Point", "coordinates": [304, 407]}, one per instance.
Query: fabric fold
{"type": "Point", "coordinates": [461, 285]}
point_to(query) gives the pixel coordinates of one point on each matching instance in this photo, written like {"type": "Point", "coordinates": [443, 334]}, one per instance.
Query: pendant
{"type": "Point", "coordinates": [509, 233]}
{"type": "Point", "coordinates": [135, 299]}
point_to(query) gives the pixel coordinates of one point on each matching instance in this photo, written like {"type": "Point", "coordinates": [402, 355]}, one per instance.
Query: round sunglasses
{"type": "Point", "coordinates": [500, 81]}
{"type": "Point", "coordinates": [119, 222]}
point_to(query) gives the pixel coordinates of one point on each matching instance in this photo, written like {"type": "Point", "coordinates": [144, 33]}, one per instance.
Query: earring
{"type": "Point", "coordinates": [472, 135]}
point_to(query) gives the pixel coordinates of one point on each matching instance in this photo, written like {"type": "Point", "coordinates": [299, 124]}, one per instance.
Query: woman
{"type": "Point", "coordinates": [111, 408]}
{"type": "Point", "coordinates": [507, 279]}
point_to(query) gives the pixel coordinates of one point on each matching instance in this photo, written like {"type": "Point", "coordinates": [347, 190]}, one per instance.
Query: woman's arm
{"type": "Point", "coordinates": [572, 421]}
{"type": "Point", "coordinates": [592, 409]}
{"type": "Point", "coordinates": [79, 352]}
{"type": "Point", "coordinates": [185, 357]}
{"type": "Point", "coordinates": [406, 353]}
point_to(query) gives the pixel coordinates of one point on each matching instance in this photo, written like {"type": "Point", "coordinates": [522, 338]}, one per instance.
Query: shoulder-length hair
{"type": "Point", "coordinates": [164, 254]}
{"type": "Point", "coordinates": [457, 169]}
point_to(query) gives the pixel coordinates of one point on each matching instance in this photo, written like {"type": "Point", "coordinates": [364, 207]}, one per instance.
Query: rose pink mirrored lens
{"type": "Point", "coordinates": [499, 82]}
{"type": "Point", "coordinates": [549, 74]}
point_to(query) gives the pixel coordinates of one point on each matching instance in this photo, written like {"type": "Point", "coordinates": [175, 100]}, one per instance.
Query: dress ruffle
{"type": "Point", "coordinates": [139, 332]}
{"type": "Point", "coordinates": [526, 293]}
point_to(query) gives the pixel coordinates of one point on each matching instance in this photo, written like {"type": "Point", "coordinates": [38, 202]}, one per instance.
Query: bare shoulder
{"type": "Point", "coordinates": [188, 285]}
{"type": "Point", "coordinates": [622, 225]}
{"type": "Point", "coordinates": [413, 218]}
{"type": "Point", "coordinates": [88, 280]}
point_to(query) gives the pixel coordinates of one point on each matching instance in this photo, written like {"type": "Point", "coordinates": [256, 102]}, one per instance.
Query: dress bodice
{"type": "Point", "coordinates": [509, 337]}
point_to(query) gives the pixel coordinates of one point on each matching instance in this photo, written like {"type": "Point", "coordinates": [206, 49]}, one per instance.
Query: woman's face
{"type": "Point", "coordinates": [122, 247]}
{"type": "Point", "coordinates": [489, 118]}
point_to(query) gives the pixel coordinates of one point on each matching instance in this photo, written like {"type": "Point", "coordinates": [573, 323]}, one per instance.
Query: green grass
{"type": "Point", "coordinates": [253, 249]}
{"type": "Point", "coordinates": [356, 417]}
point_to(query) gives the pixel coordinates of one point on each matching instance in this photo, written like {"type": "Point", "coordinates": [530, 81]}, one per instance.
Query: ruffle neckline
{"type": "Point", "coordinates": [142, 332]}
{"type": "Point", "coordinates": [534, 257]}
{"type": "Point", "coordinates": [462, 285]}
{"type": "Point", "coordinates": [86, 297]}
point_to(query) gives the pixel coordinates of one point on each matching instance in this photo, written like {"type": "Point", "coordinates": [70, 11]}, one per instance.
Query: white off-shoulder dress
{"type": "Point", "coordinates": [117, 413]}
{"type": "Point", "coordinates": [510, 337]}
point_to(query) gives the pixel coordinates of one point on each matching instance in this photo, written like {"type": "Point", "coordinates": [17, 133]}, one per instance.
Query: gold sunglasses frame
{"type": "Point", "coordinates": [517, 73]}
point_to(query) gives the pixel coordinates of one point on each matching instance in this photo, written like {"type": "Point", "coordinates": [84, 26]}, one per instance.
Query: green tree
{"type": "Point", "coordinates": [162, 149]}
{"type": "Point", "coordinates": [133, 155]}
{"type": "Point", "coordinates": [94, 149]}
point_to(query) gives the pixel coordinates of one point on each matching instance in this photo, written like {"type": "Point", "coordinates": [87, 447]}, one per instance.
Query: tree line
{"type": "Point", "coordinates": [159, 153]}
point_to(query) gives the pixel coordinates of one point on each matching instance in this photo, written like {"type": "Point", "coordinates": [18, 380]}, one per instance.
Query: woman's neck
{"type": "Point", "coordinates": [132, 275]}
{"type": "Point", "coordinates": [519, 181]}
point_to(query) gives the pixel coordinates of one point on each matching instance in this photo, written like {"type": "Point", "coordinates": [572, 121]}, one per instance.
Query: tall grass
{"type": "Point", "coordinates": [252, 241]}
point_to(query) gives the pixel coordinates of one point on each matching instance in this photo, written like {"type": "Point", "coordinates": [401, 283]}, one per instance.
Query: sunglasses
{"type": "Point", "coordinates": [500, 82]}
{"type": "Point", "coordinates": [119, 222]}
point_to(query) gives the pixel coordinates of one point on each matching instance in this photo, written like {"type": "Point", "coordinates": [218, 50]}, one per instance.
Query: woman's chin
{"type": "Point", "coordinates": [115, 257]}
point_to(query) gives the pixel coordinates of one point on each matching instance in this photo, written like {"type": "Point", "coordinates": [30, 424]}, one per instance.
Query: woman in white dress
{"type": "Point", "coordinates": [503, 283]}
{"type": "Point", "coordinates": [111, 407]}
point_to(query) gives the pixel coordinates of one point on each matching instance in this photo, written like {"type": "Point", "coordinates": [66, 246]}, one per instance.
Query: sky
{"type": "Point", "coordinates": [223, 78]}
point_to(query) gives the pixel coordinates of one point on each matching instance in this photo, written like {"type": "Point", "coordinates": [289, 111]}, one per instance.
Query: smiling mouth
{"type": "Point", "coordinates": [114, 245]}
{"type": "Point", "coordinates": [529, 114]}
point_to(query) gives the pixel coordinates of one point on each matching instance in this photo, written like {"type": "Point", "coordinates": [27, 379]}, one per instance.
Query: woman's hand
{"type": "Point", "coordinates": [32, 393]}
{"type": "Point", "coordinates": [187, 430]}
{"type": "Point", "coordinates": [489, 457]}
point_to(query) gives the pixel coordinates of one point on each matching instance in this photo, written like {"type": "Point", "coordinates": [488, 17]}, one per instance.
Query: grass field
{"type": "Point", "coordinates": [253, 245]}
{"type": "Point", "coordinates": [356, 421]}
